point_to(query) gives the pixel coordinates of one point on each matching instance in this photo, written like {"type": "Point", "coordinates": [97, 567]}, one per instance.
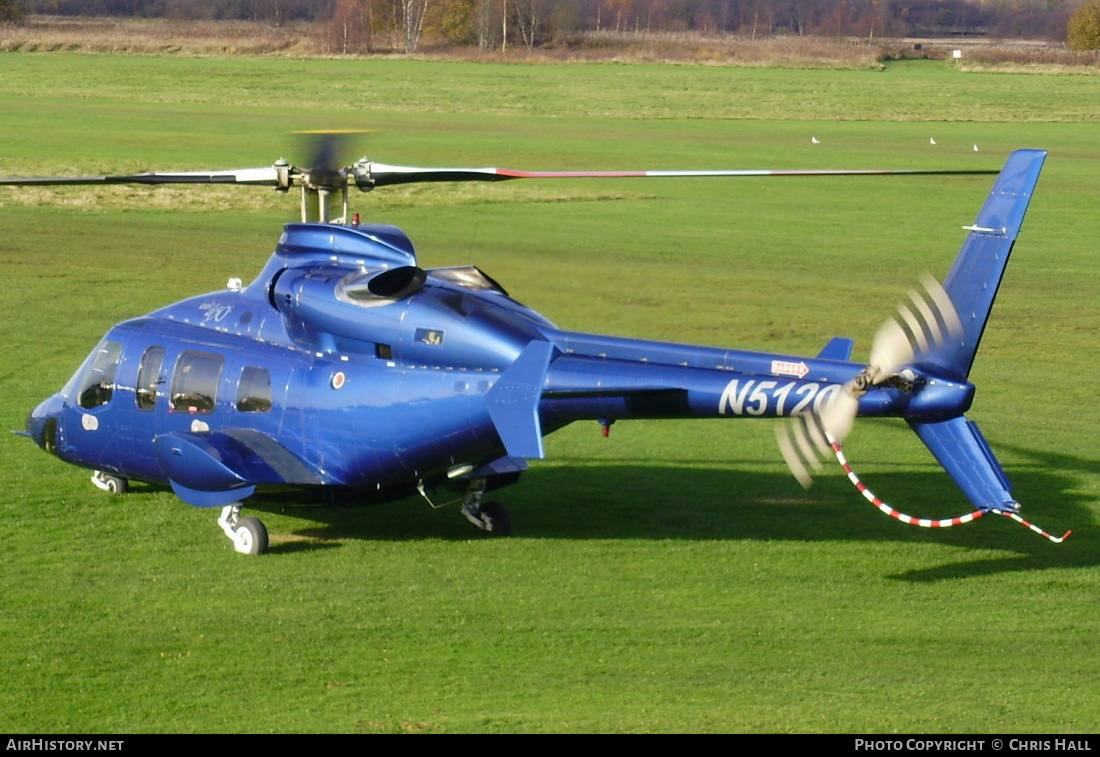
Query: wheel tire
{"type": "Point", "coordinates": [498, 517]}
{"type": "Point", "coordinates": [251, 536]}
{"type": "Point", "coordinates": [115, 484]}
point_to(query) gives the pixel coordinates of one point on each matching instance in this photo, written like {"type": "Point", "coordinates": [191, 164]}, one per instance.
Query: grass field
{"type": "Point", "coordinates": [671, 578]}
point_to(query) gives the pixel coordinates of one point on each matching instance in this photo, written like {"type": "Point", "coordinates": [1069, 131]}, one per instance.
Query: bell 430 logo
{"type": "Point", "coordinates": [753, 397]}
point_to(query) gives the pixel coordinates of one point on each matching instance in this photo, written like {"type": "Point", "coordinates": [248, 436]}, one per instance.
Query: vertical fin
{"type": "Point", "coordinates": [976, 274]}
{"type": "Point", "coordinates": [963, 452]}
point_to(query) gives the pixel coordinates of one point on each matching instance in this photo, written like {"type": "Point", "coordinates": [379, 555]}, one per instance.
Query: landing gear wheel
{"type": "Point", "coordinates": [500, 523]}
{"type": "Point", "coordinates": [490, 517]}
{"type": "Point", "coordinates": [109, 483]}
{"type": "Point", "coordinates": [250, 536]}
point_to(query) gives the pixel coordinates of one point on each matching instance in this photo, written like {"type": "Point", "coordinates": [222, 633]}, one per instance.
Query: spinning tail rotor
{"type": "Point", "coordinates": [925, 324]}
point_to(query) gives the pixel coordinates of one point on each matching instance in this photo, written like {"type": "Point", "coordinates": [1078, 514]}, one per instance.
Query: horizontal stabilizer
{"type": "Point", "coordinates": [963, 452]}
{"type": "Point", "coordinates": [513, 402]}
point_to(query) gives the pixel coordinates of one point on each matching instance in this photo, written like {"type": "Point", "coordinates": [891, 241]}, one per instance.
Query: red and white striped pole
{"type": "Point", "coordinates": [926, 522]}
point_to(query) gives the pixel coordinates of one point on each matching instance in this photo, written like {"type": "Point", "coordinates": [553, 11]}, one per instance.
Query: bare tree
{"type": "Point", "coordinates": [348, 26]}
{"type": "Point", "coordinates": [413, 13]}
{"type": "Point", "coordinates": [621, 10]}
{"type": "Point", "coordinates": [530, 19]}
{"type": "Point", "coordinates": [487, 22]}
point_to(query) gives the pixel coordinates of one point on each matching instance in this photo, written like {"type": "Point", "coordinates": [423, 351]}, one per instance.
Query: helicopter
{"type": "Point", "coordinates": [346, 370]}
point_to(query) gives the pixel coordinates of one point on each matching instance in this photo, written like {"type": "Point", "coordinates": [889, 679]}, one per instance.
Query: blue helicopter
{"type": "Point", "coordinates": [345, 368]}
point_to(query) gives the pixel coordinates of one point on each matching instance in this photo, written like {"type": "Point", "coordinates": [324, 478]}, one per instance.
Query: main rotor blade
{"type": "Point", "coordinates": [367, 175]}
{"type": "Point", "coordinates": [256, 176]}
{"type": "Point", "coordinates": [371, 175]}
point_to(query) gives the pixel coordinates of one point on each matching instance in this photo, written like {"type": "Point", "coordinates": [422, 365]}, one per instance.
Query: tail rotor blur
{"type": "Point", "coordinates": [924, 323]}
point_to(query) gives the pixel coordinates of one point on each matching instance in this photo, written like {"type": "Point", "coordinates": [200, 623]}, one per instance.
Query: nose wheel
{"type": "Point", "coordinates": [109, 483]}
{"type": "Point", "coordinates": [248, 534]}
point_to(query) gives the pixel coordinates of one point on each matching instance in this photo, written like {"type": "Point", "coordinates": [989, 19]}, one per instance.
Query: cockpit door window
{"type": "Point", "coordinates": [97, 383]}
{"type": "Point", "coordinates": [149, 378]}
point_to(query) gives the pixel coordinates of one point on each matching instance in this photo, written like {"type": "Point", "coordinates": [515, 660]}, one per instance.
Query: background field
{"type": "Point", "coordinates": [671, 578]}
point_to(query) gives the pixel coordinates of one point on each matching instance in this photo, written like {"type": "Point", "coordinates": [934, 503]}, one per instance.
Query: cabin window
{"type": "Point", "coordinates": [148, 379]}
{"type": "Point", "coordinates": [254, 390]}
{"type": "Point", "coordinates": [97, 383]}
{"type": "Point", "coordinates": [195, 383]}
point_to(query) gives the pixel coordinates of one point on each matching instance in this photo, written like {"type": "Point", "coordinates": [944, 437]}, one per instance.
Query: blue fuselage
{"type": "Point", "coordinates": [324, 372]}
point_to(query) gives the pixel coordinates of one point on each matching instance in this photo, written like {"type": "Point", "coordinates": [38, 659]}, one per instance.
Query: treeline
{"type": "Point", "coordinates": [491, 24]}
{"type": "Point", "coordinates": [275, 11]}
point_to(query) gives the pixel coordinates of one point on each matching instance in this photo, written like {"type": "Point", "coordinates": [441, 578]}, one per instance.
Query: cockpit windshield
{"type": "Point", "coordinates": [94, 384]}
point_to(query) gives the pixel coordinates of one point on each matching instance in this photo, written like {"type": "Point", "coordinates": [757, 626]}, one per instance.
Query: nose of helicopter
{"type": "Point", "coordinates": [41, 423]}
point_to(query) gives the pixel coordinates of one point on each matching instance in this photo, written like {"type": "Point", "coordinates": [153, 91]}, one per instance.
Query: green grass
{"type": "Point", "coordinates": [913, 91]}
{"type": "Point", "coordinates": [670, 578]}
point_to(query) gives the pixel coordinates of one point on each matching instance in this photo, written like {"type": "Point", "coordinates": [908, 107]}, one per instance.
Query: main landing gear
{"type": "Point", "coordinates": [249, 535]}
{"type": "Point", "coordinates": [488, 516]}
